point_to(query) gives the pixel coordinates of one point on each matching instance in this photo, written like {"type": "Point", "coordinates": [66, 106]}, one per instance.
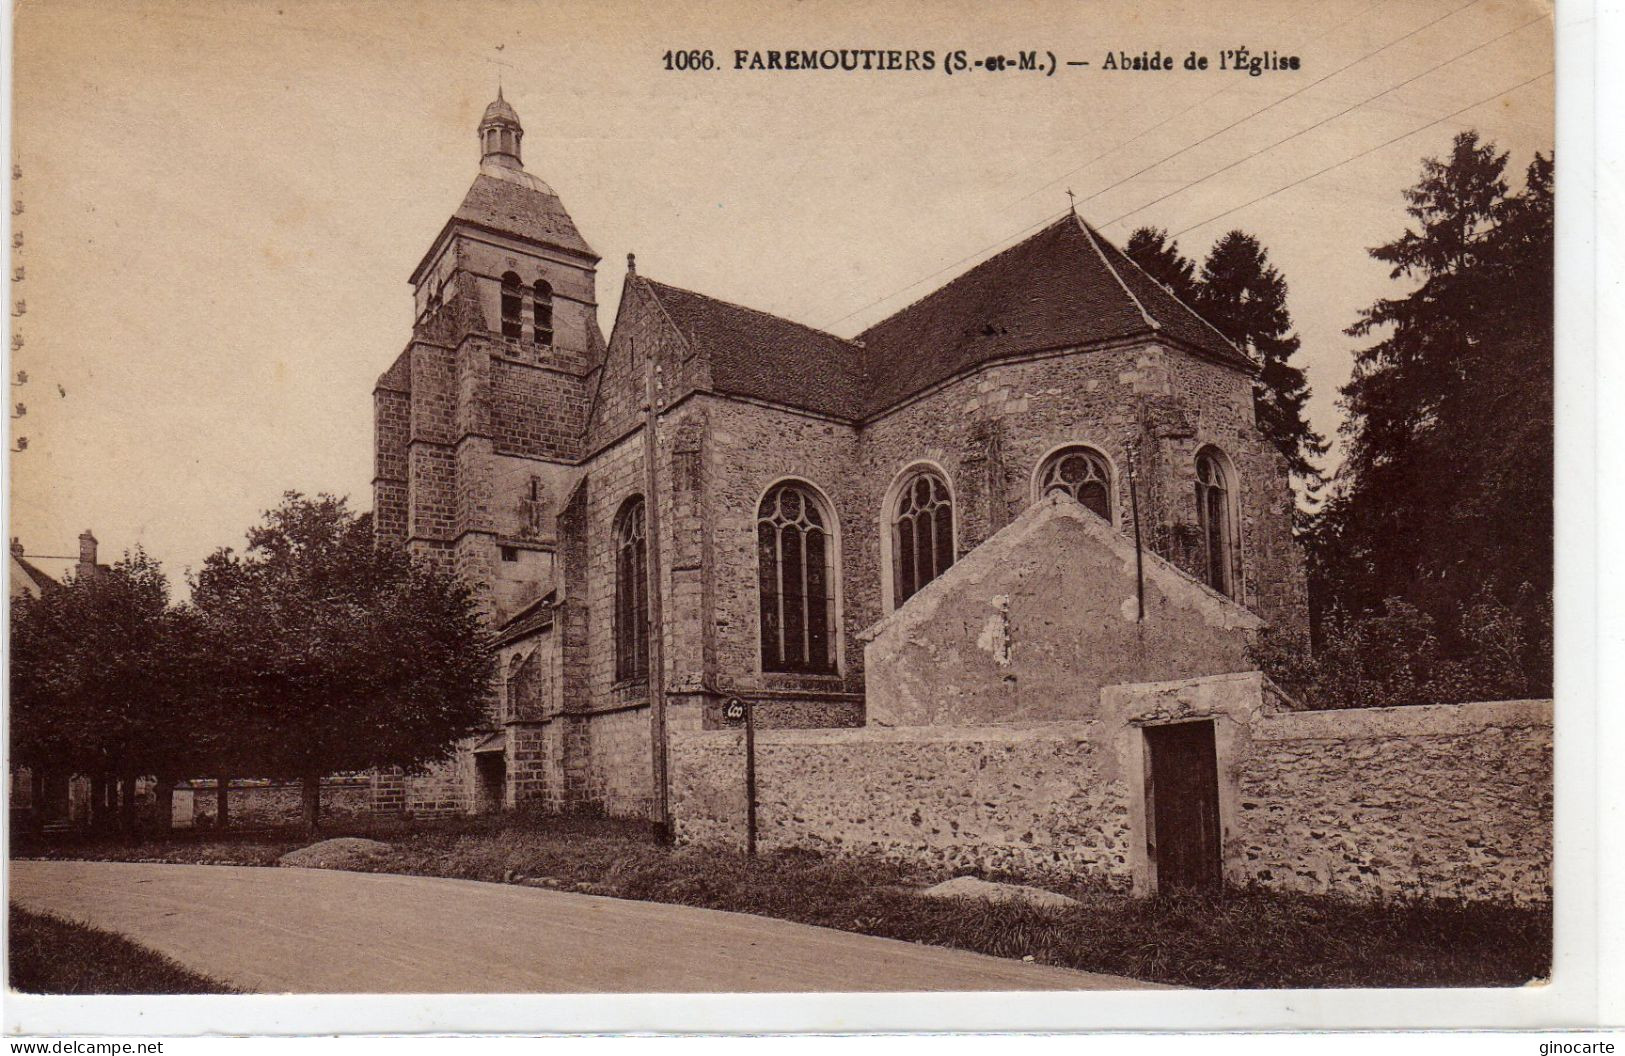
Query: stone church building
{"type": "Point", "coordinates": [797, 488]}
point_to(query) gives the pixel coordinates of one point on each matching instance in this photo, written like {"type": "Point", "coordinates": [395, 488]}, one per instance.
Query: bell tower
{"type": "Point", "coordinates": [481, 421]}
{"type": "Point", "coordinates": [500, 133]}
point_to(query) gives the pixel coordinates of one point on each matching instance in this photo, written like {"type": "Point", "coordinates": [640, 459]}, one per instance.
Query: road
{"type": "Point", "coordinates": [266, 930]}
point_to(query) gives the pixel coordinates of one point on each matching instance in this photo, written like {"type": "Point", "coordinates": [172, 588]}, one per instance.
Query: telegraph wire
{"type": "Point", "coordinates": [1049, 218]}
{"type": "Point", "coordinates": [1322, 121]}
{"type": "Point", "coordinates": [1172, 117]}
{"type": "Point", "coordinates": [1357, 157]}
{"type": "Point", "coordinates": [1242, 120]}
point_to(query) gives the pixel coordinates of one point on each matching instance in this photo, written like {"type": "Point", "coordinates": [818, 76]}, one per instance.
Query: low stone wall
{"type": "Point", "coordinates": [277, 803]}
{"type": "Point", "coordinates": [1038, 799]}
{"type": "Point", "coordinates": [1443, 801]}
{"type": "Point", "coordinates": [1449, 800]}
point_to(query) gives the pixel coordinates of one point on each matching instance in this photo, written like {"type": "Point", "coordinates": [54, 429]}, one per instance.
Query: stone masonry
{"type": "Point", "coordinates": [1451, 801]}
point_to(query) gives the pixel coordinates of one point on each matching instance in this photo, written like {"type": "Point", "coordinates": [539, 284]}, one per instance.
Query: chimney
{"type": "Point", "coordinates": [87, 554]}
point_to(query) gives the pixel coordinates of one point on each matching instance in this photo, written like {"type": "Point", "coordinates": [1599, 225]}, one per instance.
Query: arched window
{"type": "Point", "coordinates": [512, 305]}
{"type": "Point", "coordinates": [542, 313]}
{"type": "Point", "coordinates": [521, 686]}
{"type": "Point", "coordinates": [797, 584]}
{"type": "Point", "coordinates": [631, 593]}
{"type": "Point", "coordinates": [1082, 473]}
{"type": "Point", "coordinates": [922, 534]}
{"type": "Point", "coordinates": [1214, 520]}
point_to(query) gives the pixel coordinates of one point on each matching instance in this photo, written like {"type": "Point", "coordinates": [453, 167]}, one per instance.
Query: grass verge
{"type": "Point", "coordinates": [50, 955]}
{"type": "Point", "coordinates": [1248, 938]}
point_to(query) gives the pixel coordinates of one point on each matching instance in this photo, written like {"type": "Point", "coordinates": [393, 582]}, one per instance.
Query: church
{"type": "Point", "coordinates": [716, 505]}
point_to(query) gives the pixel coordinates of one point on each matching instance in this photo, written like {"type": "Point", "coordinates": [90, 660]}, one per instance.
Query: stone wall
{"type": "Point", "coordinates": [1448, 801]}
{"type": "Point", "coordinates": [270, 803]}
{"type": "Point", "coordinates": [1038, 799]}
{"type": "Point", "coordinates": [1451, 800]}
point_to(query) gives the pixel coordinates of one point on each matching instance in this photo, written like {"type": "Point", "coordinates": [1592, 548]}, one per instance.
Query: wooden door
{"type": "Point", "coordinates": [1183, 807]}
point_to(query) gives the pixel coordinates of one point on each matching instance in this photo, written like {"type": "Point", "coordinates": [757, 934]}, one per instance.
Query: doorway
{"type": "Point", "coordinates": [491, 772]}
{"type": "Point", "coordinates": [1182, 808]}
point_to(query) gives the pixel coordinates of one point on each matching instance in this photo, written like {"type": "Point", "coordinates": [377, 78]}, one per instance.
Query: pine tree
{"type": "Point", "coordinates": [1159, 258]}
{"type": "Point", "coordinates": [1242, 294]}
{"type": "Point", "coordinates": [1445, 498]}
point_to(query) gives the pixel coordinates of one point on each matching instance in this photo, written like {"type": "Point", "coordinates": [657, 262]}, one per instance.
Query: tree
{"type": "Point", "coordinates": [1446, 493]}
{"type": "Point", "coordinates": [1242, 294]}
{"type": "Point", "coordinates": [1244, 297]}
{"type": "Point", "coordinates": [338, 654]}
{"type": "Point", "coordinates": [100, 680]}
{"type": "Point", "coordinates": [1159, 258]}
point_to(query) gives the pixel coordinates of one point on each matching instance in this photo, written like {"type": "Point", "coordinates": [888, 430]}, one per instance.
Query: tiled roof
{"type": "Point", "coordinates": [756, 354]}
{"type": "Point", "coordinates": [1064, 286]}
{"type": "Point", "coordinates": [537, 616]}
{"type": "Point", "coordinates": [513, 201]}
{"type": "Point", "coordinates": [24, 573]}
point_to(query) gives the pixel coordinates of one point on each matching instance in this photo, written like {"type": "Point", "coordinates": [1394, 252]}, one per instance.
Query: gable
{"type": "Point", "coordinates": [1031, 625]}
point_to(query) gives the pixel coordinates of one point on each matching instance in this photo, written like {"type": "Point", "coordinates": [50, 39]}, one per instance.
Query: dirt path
{"type": "Point", "coordinates": [320, 931]}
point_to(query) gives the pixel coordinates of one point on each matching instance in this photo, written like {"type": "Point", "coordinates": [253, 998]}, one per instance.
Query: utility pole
{"type": "Point", "coordinates": [1139, 550]}
{"type": "Point", "coordinates": [657, 658]}
{"type": "Point", "coordinates": [750, 778]}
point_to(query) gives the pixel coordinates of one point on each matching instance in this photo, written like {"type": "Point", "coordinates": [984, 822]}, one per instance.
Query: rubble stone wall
{"type": "Point", "coordinates": [1450, 801]}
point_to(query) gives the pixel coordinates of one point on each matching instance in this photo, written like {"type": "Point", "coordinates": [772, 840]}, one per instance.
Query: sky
{"type": "Point", "coordinates": [222, 202]}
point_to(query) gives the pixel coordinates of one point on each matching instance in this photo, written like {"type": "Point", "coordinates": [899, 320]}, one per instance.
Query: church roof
{"type": "Point", "coordinates": [1065, 286]}
{"type": "Point", "coordinates": [1062, 287]}
{"type": "Point", "coordinates": [512, 201]}
{"type": "Point", "coordinates": [763, 356]}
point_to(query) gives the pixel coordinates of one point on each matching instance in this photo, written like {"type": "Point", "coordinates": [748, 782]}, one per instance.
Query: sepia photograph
{"type": "Point", "coordinates": [567, 498]}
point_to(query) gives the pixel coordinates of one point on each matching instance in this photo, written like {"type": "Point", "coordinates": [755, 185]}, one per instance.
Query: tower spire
{"type": "Point", "coordinates": [500, 133]}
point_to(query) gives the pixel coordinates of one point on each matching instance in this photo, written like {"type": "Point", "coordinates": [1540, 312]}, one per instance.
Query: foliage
{"type": "Point", "coordinates": [338, 654]}
{"type": "Point", "coordinates": [1394, 657]}
{"type": "Point", "coordinates": [101, 674]}
{"type": "Point", "coordinates": [1157, 256]}
{"type": "Point", "coordinates": [1446, 494]}
{"type": "Point", "coordinates": [1243, 295]}
{"type": "Point", "coordinates": [314, 652]}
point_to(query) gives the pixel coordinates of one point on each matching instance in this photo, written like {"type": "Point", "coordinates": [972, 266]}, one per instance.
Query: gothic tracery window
{"type": "Point", "coordinates": [1214, 521]}
{"type": "Point", "coordinates": [541, 313]}
{"type": "Point", "coordinates": [1082, 473]}
{"type": "Point", "coordinates": [922, 530]}
{"type": "Point", "coordinates": [631, 593]}
{"type": "Point", "coordinates": [512, 305]}
{"type": "Point", "coordinates": [797, 583]}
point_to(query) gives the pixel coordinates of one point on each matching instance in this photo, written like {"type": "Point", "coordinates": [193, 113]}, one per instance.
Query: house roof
{"type": "Point", "coordinates": [759, 355]}
{"type": "Point", "coordinates": [514, 202]}
{"type": "Point", "coordinates": [1066, 285]}
{"type": "Point", "coordinates": [29, 577]}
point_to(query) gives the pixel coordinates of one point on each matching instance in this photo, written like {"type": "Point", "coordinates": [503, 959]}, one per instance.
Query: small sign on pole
{"type": "Point", "coordinates": [733, 710]}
